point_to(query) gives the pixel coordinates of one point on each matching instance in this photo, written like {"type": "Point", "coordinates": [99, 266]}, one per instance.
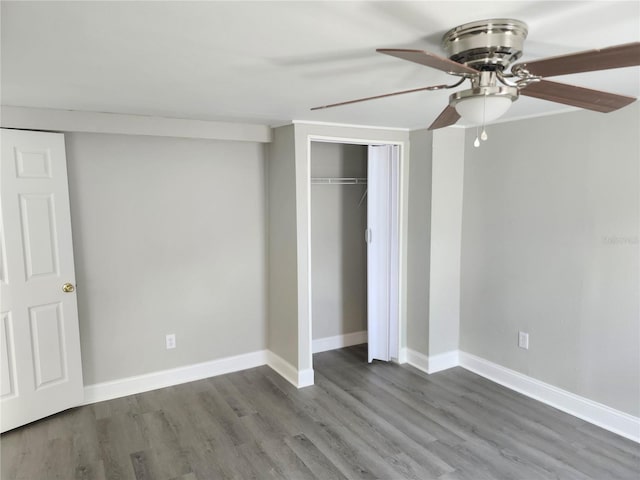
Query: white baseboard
{"type": "Point", "coordinates": [433, 363]}
{"type": "Point", "coordinates": [443, 361]}
{"type": "Point", "coordinates": [305, 378]}
{"type": "Point", "coordinates": [166, 378]}
{"type": "Point", "coordinates": [297, 378]}
{"type": "Point", "coordinates": [175, 376]}
{"type": "Point", "coordinates": [402, 355]}
{"type": "Point", "coordinates": [283, 368]}
{"type": "Point", "coordinates": [418, 360]}
{"type": "Point", "coordinates": [339, 341]}
{"type": "Point", "coordinates": [593, 412]}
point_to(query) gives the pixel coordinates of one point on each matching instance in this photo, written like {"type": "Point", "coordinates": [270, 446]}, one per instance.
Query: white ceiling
{"type": "Point", "coordinates": [269, 62]}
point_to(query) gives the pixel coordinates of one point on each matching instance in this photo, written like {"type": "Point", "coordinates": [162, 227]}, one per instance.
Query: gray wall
{"type": "Point", "coordinates": [419, 242]}
{"type": "Point", "coordinates": [338, 249]}
{"type": "Point", "coordinates": [447, 178]}
{"type": "Point", "coordinates": [283, 273]}
{"type": "Point", "coordinates": [550, 247]}
{"type": "Point", "coordinates": [169, 237]}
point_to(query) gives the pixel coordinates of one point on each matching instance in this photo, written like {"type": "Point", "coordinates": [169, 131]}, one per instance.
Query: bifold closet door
{"type": "Point", "coordinates": [381, 239]}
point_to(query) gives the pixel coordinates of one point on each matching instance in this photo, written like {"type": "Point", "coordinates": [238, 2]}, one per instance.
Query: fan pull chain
{"type": "Point", "coordinates": [483, 135]}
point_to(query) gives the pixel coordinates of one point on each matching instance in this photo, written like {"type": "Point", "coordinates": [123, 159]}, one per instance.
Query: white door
{"type": "Point", "coordinates": [382, 248]}
{"type": "Point", "coordinates": [41, 373]}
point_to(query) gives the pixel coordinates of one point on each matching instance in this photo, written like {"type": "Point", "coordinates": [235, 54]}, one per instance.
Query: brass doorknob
{"type": "Point", "coordinates": [68, 288]}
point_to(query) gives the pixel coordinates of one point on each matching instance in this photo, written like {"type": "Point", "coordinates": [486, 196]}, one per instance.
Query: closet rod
{"type": "Point", "coordinates": [338, 181]}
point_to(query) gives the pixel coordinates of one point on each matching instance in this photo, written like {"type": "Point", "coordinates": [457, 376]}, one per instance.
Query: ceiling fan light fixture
{"type": "Point", "coordinates": [483, 105]}
{"type": "Point", "coordinates": [483, 109]}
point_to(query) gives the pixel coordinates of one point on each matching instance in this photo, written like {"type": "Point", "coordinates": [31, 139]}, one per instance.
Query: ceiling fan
{"type": "Point", "coordinates": [482, 51]}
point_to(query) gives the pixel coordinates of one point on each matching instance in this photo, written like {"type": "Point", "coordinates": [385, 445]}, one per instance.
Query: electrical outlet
{"type": "Point", "coordinates": [523, 340]}
{"type": "Point", "coordinates": [171, 341]}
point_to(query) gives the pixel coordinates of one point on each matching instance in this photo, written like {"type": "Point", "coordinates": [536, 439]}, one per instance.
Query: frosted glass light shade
{"type": "Point", "coordinates": [483, 108]}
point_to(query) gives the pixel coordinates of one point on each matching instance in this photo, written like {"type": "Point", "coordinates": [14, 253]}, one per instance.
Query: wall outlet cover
{"type": "Point", "coordinates": [523, 340]}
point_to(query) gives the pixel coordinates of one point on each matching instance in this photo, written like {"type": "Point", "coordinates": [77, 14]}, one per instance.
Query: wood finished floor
{"type": "Point", "coordinates": [360, 421]}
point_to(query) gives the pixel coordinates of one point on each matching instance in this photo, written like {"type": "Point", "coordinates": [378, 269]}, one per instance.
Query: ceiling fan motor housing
{"type": "Point", "coordinates": [486, 44]}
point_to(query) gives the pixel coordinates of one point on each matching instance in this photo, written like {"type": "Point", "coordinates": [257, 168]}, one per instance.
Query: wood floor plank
{"type": "Point", "coordinates": [351, 463]}
{"type": "Point", "coordinates": [316, 461]}
{"type": "Point", "coordinates": [113, 451]}
{"type": "Point", "coordinates": [432, 403]}
{"type": "Point", "coordinates": [398, 442]}
{"type": "Point", "coordinates": [118, 406]}
{"type": "Point", "coordinates": [141, 467]}
{"type": "Point", "coordinates": [202, 462]}
{"type": "Point", "coordinates": [86, 449]}
{"type": "Point", "coordinates": [214, 405]}
{"type": "Point", "coordinates": [13, 452]}
{"type": "Point", "coordinates": [164, 456]}
{"type": "Point", "coordinates": [595, 437]}
{"type": "Point", "coordinates": [272, 411]}
{"type": "Point", "coordinates": [58, 459]}
{"type": "Point", "coordinates": [94, 471]}
{"type": "Point", "coordinates": [236, 401]}
{"type": "Point", "coordinates": [286, 460]}
{"type": "Point", "coordinates": [296, 416]}
{"type": "Point", "coordinates": [35, 448]}
{"type": "Point", "coordinates": [489, 393]}
{"type": "Point", "coordinates": [387, 407]}
{"type": "Point", "coordinates": [262, 466]}
{"type": "Point", "coordinates": [360, 421]}
{"type": "Point", "coordinates": [263, 428]}
{"type": "Point", "coordinates": [465, 466]}
{"type": "Point", "coordinates": [188, 476]}
{"type": "Point", "coordinates": [362, 432]}
{"type": "Point", "coordinates": [231, 463]}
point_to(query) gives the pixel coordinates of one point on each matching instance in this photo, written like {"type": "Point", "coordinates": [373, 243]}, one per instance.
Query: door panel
{"type": "Point", "coordinates": [378, 220]}
{"type": "Point", "coordinates": [41, 364]}
{"type": "Point", "coordinates": [38, 235]}
{"type": "Point", "coordinates": [8, 359]}
{"type": "Point", "coordinates": [383, 252]}
{"type": "Point", "coordinates": [3, 257]}
{"type": "Point", "coordinates": [33, 164]}
{"type": "Point", "coordinates": [47, 345]}
{"type": "Point", "coordinates": [394, 254]}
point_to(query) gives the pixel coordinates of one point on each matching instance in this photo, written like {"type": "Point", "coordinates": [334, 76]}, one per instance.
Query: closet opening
{"type": "Point", "coordinates": [354, 246]}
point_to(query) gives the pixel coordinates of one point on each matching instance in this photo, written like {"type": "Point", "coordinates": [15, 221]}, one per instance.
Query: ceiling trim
{"type": "Point", "coordinates": [99, 122]}
{"type": "Point", "coordinates": [350, 125]}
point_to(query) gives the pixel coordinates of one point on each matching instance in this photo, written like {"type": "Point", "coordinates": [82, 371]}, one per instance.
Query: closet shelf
{"type": "Point", "coordinates": [338, 181]}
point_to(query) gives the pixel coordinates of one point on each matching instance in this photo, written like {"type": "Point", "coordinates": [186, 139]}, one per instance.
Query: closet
{"type": "Point", "coordinates": [354, 231]}
{"type": "Point", "coordinates": [338, 247]}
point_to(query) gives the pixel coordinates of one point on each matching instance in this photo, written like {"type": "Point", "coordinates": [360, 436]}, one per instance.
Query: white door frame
{"type": "Point", "coordinates": [402, 229]}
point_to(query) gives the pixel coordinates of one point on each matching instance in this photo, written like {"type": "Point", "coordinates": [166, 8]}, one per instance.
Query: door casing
{"type": "Point", "coordinates": [402, 182]}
